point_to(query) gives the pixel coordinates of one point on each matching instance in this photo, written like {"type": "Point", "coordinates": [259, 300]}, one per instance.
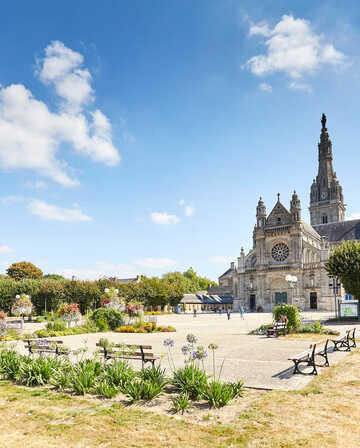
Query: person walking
{"type": "Point", "coordinates": [195, 312]}
{"type": "Point", "coordinates": [241, 312]}
{"type": "Point", "coordinates": [228, 314]}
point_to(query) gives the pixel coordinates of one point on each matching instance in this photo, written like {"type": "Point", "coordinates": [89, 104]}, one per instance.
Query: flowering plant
{"type": "Point", "coordinates": [133, 309]}
{"type": "Point", "coordinates": [22, 305]}
{"type": "Point", "coordinates": [69, 311]}
{"type": "Point", "coordinates": [110, 299]}
{"type": "Point", "coordinates": [2, 320]}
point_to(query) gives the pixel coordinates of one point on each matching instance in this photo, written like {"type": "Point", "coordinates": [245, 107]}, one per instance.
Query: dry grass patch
{"type": "Point", "coordinates": [321, 415]}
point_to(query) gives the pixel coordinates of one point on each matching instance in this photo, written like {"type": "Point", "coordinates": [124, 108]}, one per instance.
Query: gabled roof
{"type": "Point", "coordinates": [226, 273]}
{"type": "Point", "coordinates": [279, 215]}
{"type": "Point", "coordinates": [308, 228]}
{"type": "Point", "coordinates": [340, 231]}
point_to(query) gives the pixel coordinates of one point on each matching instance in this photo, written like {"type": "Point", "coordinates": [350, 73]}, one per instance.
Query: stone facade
{"type": "Point", "coordinates": [284, 245]}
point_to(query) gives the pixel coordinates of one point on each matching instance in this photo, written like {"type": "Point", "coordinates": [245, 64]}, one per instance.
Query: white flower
{"type": "Point", "coordinates": [116, 291]}
{"type": "Point", "coordinates": [107, 289]}
{"type": "Point", "coordinates": [17, 296]}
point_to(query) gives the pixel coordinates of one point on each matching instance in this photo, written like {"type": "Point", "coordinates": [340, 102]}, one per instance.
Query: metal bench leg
{"type": "Point", "coordinates": [296, 369]}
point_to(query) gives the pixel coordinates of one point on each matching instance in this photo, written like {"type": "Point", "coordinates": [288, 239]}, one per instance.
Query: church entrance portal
{"type": "Point", "coordinates": [252, 302]}
{"type": "Point", "coordinates": [280, 297]}
{"type": "Point", "coordinates": [313, 300]}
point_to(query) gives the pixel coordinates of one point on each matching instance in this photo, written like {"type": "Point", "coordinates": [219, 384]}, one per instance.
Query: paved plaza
{"type": "Point", "coordinates": [260, 361]}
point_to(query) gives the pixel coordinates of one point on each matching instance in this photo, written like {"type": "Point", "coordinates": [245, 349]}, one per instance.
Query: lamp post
{"type": "Point", "coordinates": [292, 280]}
{"type": "Point", "coordinates": [335, 286]}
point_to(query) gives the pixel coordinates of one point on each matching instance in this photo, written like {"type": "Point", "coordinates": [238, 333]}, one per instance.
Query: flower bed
{"type": "Point", "coordinates": [145, 328]}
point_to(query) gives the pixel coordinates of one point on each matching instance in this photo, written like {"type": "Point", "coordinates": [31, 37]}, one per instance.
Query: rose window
{"type": "Point", "coordinates": [280, 252]}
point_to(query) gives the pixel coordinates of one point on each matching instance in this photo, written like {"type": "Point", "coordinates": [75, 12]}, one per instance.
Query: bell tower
{"type": "Point", "coordinates": [326, 196]}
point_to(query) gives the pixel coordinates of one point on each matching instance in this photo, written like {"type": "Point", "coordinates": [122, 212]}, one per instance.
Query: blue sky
{"type": "Point", "coordinates": [137, 137]}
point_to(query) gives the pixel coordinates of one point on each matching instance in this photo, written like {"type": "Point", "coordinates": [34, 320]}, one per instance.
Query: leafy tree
{"type": "Point", "coordinates": [53, 277]}
{"type": "Point", "coordinates": [344, 263]}
{"type": "Point", "coordinates": [155, 292]}
{"type": "Point", "coordinates": [24, 269]}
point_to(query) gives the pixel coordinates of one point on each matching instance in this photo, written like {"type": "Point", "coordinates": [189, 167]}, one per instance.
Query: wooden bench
{"type": "Point", "coordinates": [42, 346]}
{"type": "Point", "coordinates": [346, 342]}
{"type": "Point", "coordinates": [273, 331]}
{"type": "Point", "coordinates": [125, 351]}
{"type": "Point", "coordinates": [309, 356]}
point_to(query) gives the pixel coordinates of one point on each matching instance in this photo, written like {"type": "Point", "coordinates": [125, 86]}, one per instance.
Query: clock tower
{"type": "Point", "coordinates": [326, 197]}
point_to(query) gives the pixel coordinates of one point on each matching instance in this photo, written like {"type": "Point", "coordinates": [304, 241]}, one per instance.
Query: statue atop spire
{"type": "Point", "coordinates": [323, 121]}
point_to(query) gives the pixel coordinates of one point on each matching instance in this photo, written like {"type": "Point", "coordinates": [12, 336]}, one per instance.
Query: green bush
{"type": "Point", "coordinates": [107, 318]}
{"type": "Point", "coordinates": [218, 394]}
{"type": "Point", "coordinates": [58, 325]}
{"type": "Point", "coordinates": [84, 375]}
{"type": "Point", "coordinates": [37, 371]}
{"type": "Point", "coordinates": [10, 362]}
{"type": "Point", "coordinates": [119, 373]}
{"type": "Point", "coordinates": [143, 390]}
{"type": "Point", "coordinates": [291, 312]}
{"type": "Point", "coordinates": [44, 333]}
{"type": "Point", "coordinates": [106, 389]}
{"type": "Point", "coordinates": [61, 378]}
{"type": "Point", "coordinates": [316, 328]}
{"type": "Point", "coordinates": [181, 402]}
{"type": "Point", "coordinates": [153, 374]}
{"type": "Point", "coordinates": [191, 380]}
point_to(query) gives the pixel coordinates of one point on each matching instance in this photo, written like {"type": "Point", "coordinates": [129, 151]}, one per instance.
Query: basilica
{"type": "Point", "coordinates": [287, 261]}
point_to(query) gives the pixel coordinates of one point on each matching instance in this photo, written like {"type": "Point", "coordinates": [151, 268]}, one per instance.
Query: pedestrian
{"type": "Point", "coordinates": [228, 314]}
{"type": "Point", "coordinates": [241, 312]}
{"type": "Point", "coordinates": [195, 311]}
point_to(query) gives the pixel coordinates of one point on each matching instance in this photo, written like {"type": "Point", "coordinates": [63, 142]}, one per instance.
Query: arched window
{"type": "Point", "coordinates": [324, 219]}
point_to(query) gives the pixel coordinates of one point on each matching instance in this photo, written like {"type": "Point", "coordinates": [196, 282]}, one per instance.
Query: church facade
{"type": "Point", "coordinates": [287, 261]}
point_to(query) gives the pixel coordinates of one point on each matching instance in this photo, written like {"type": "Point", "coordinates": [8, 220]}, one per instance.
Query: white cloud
{"type": "Point", "coordinates": [100, 270]}
{"type": "Point", "coordinates": [189, 210]}
{"type": "Point", "coordinates": [53, 212]}
{"type": "Point", "coordinates": [31, 135]}
{"type": "Point", "coordinates": [11, 199]}
{"type": "Point", "coordinates": [156, 263]}
{"type": "Point", "coordinates": [164, 218]}
{"type": "Point", "coordinates": [265, 87]}
{"type": "Point", "coordinates": [295, 85]}
{"type": "Point", "coordinates": [61, 67]}
{"type": "Point", "coordinates": [221, 259]}
{"type": "Point", "coordinates": [292, 48]}
{"type": "Point", "coordinates": [261, 29]}
{"type": "Point", "coordinates": [5, 250]}
{"type": "Point", "coordinates": [36, 185]}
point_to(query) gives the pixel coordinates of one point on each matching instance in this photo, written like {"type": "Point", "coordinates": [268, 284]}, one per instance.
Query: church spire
{"type": "Point", "coordinates": [295, 207]}
{"type": "Point", "coordinates": [260, 213]}
{"type": "Point", "coordinates": [326, 198]}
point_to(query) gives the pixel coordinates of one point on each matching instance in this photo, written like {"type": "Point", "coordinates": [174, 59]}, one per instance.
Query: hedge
{"type": "Point", "coordinates": [53, 291]}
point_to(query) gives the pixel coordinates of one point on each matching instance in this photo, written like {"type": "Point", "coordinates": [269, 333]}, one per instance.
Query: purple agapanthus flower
{"type": "Point", "coordinates": [186, 349]}
{"type": "Point", "coordinates": [192, 339]}
{"type": "Point", "coordinates": [168, 342]}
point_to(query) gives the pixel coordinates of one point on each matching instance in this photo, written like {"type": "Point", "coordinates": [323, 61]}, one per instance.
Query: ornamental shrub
{"type": "Point", "coordinates": [107, 318]}
{"type": "Point", "coordinates": [291, 312]}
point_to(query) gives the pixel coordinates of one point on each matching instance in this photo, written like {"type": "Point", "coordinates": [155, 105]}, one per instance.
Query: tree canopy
{"type": "Point", "coordinates": [24, 269]}
{"type": "Point", "coordinates": [344, 263]}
